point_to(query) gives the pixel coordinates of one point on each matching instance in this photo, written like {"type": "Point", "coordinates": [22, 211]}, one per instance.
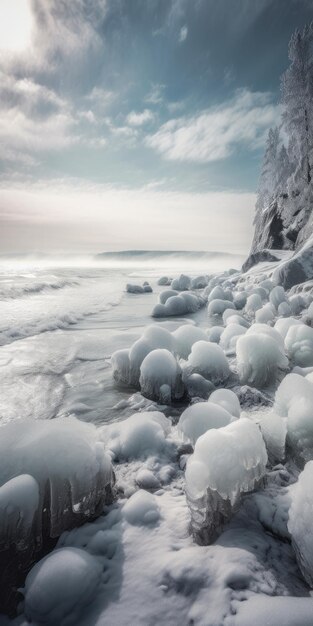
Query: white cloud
{"type": "Point", "coordinates": [100, 97]}
{"type": "Point", "coordinates": [216, 133]}
{"type": "Point", "coordinates": [156, 94]}
{"type": "Point", "coordinates": [138, 119]}
{"type": "Point", "coordinates": [183, 34]}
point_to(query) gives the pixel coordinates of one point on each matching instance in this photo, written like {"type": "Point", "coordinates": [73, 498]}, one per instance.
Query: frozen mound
{"type": "Point", "coordinates": [185, 336]}
{"type": "Point", "coordinates": [294, 401]}
{"type": "Point", "coordinates": [227, 399]}
{"type": "Point", "coordinates": [230, 336]}
{"type": "Point", "coordinates": [226, 463]}
{"type": "Point", "coordinates": [54, 475]}
{"type": "Point", "coordinates": [139, 436]}
{"type": "Point", "coordinates": [274, 431]}
{"type": "Point", "coordinates": [200, 417]}
{"type": "Point", "coordinates": [218, 306]}
{"type": "Point", "coordinates": [265, 314]}
{"type": "Point", "coordinates": [260, 360]}
{"type": "Point", "coordinates": [197, 386]}
{"type": "Point", "coordinates": [299, 345]}
{"type": "Point", "coordinates": [300, 521]}
{"type": "Point", "coordinates": [256, 329]}
{"type": "Point", "coordinates": [296, 304]}
{"type": "Point", "coordinates": [237, 319]}
{"type": "Point", "coordinates": [277, 296]}
{"type": "Point", "coordinates": [134, 288]}
{"type": "Point", "coordinates": [165, 295]}
{"type": "Point", "coordinates": [199, 282]}
{"type": "Point", "coordinates": [160, 377]}
{"type": "Point", "coordinates": [126, 363]}
{"type": "Point", "coordinates": [227, 314]}
{"type": "Point", "coordinates": [164, 281]}
{"type": "Point", "coordinates": [61, 586]}
{"type": "Point", "coordinates": [240, 299]}
{"type": "Point", "coordinates": [253, 304]}
{"type": "Point", "coordinates": [284, 309]}
{"type": "Point", "coordinates": [141, 509]}
{"type": "Point", "coordinates": [217, 293]}
{"type": "Point", "coordinates": [208, 359]}
{"type": "Point", "coordinates": [182, 283]}
{"type": "Point", "coordinates": [282, 325]}
{"type": "Point", "coordinates": [214, 333]}
{"type": "Point", "coordinates": [182, 304]}
{"type": "Point", "coordinates": [260, 291]}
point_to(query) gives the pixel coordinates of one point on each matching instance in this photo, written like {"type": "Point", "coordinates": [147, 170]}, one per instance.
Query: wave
{"type": "Point", "coordinates": [10, 290]}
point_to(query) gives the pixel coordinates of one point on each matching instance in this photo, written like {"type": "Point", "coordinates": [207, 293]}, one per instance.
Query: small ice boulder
{"type": "Point", "coordinates": [197, 386]}
{"type": "Point", "coordinates": [185, 336]}
{"type": "Point", "coordinates": [19, 512]}
{"type": "Point", "coordinates": [160, 377]}
{"type": "Point", "coordinates": [139, 436]}
{"type": "Point", "coordinates": [214, 333]}
{"type": "Point", "coordinates": [284, 309]}
{"type": "Point", "coordinates": [141, 509]}
{"type": "Point", "coordinates": [218, 306]}
{"type": "Point", "coordinates": [61, 586]}
{"type": "Point", "coordinates": [300, 521]}
{"type": "Point", "coordinates": [181, 304]}
{"type": "Point", "coordinates": [228, 400]}
{"type": "Point", "coordinates": [134, 288]}
{"type": "Point", "coordinates": [299, 345]}
{"type": "Point", "coordinates": [217, 293]}
{"type": "Point", "coordinates": [277, 296]}
{"type": "Point", "coordinates": [200, 417]}
{"type": "Point", "coordinates": [253, 304]}
{"type": "Point", "coordinates": [199, 282]}
{"type": "Point", "coordinates": [208, 359]}
{"type": "Point", "coordinates": [182, 283]}
{"type": "Point", "coordinates": [259, 360]}
{"type": "Point", "coordinates": [240, 299]}
{"type": "Point", "coordinates": [297, 303]}
{"type": "Point", "coordinates": [237, 319]}
{"type": "Point", "coordinates": [164, 281]}
{"type": "Point", "coordinates": [265, 314]}
{"type": "Point", "coordinates": [165, 295]}
{"type": "Point", "coordinates": [274, 431]}
{"type": "Point", "coordinates": [256, 329]}
{"type": "Point", "coordinates": [283, 324]}
{"type": "Point", "coordinates": [146, 479]}
{"type": "Point", "coordinates": [230, 336]}
{"type": "Point", "coordinates": [294, 400]}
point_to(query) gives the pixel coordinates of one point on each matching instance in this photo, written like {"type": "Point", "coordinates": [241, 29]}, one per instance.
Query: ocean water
{"type": "Point", "coordinates": [61, 319]}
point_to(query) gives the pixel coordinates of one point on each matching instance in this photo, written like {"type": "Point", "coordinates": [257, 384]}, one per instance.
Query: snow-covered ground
{"type": "Point", "coordinates": [224, 470]}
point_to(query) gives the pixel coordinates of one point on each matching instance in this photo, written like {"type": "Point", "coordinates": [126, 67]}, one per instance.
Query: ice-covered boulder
{"type": "Point", "coordinates": [299, 344]}
{"type": "Point", "coordinates": [139, 436]}
{"type": "Point", "coordinates": [274, 431]}
{"type": "Point", "coordinates": [227, 399]}
{"type": "Point", "coordinates": [300, 521]}
{"type": "Point", "coordinates": [19, 512]}
{"type": "Point", "coordinates": [265, 314]}
{"type": "Point", "coordinates": [141, 509]}
{"type": "Point", "coordinates": [165, 295]}
{"type": "Point", "coordinates": [200, 417]}
{"type": "Point", "coordinates": [226, 463]}
{"type": "Point", "coordinates": [294, 401]}
{"type": "Point", "coordinates": [197, 386]}
{"type": "Point", "coordinates": [214, 333]}
{"type": "Point", "coordinates": [130, 288]}
{"type": "Point", "coordinates": [182, 304]}
{"type": "Point", "coordinates": [182, 283]}
{"type": "Point", "coordinates": [237, 319]}
{"type": "Point", "coordinates": [160, 377]}
{"type": "Point", "coordinates": [217, 293]}
{"type": "Point", "coordinates": [218, 306]}
{"type": "Point", "coordinates": [199, 282]}
{"type": "Point", "coordinates": [297, 303]}
{"type": "Point", "coordinates": [260, 360]}
{"type": "Point", "coordinates": [208, 359]}
{"type": "Point", "coordinates": [284, 309]}
{"type": "Point", "coordinates": [277, 296]}
{"type": "Point", "coordinates": [256, 329]}
{"type": "Point", "coordinates": [282, 325]}
{"type": "Point", "coordinates": [61, 586]}
{"type": "Point", "coordinates": [164, 281]}
{"type": "Point", "coordinates": [253, 304]}
{"type": "Point", "coordinates": [230, 336]}
{"type": "Point", "coordinates": [240, 299]}
{"type": "Point", "coordinates": [185, 336]}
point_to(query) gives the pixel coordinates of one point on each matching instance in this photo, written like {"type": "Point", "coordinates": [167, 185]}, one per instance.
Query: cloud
{"type": "Point", "coordinates": [156, 94]}
{"type": "Point", "coordinates": [183, 34]}
{"type": "Point", "coordinates": [138, 119]}
{"type": "Point", "coordinates": [218, 132]}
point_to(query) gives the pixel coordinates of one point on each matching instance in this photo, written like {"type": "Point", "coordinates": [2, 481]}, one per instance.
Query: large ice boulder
{"type": "Point", "coordinates": [300, 521]}
{"type": "Point", "coordinates": [214, 333]}
{"type": "Point", "coordinates": [217, 293]}
{"type": "Point", "coordinates": [185, 302]}
{"type": "Point", "coordinates": [256, 329]}
{"type": "Point", "coordinates": [265, 314]}
{"type": "Point", "coordinates": [139, 436]}
{"type": "Point", "coordinates": [277, 296]}
{"type": "Point", "coordinates": [182, 283]}
{"type": "Point", "coordinates": [260, 359]}
{"type": "Point", "coordinates": [230, 336]}
{"type": "Point", "coordinates": [253, 304]}
{"type": "Point", "coordinates": [274, 431]}
{"type": "Point", "coordinates": [185, 336]}
{"type": "Point", "coordinates": [294, 401]}
{"type": "Point", "coordinates": [208, 359]}
{"type": "Point", "coordinates": [197, 386]}
{"type": "Point", "coordinates": [199, 282]}
{"type": "Point", "coordinates": [282, 325]}
{"type": "Point", "coordinates": [228, 400]}
{"type": "Point", "coordinates": [160, 377]}
{"type": "Point", "coordinates": [299, 345]}
{"type": "Point", "coordinates": [218, 306]}
{"type": "Point", "coordinates": [200, 417]}
{"type": "Point", "coordinates": [226, 463]}
{"type": "Point", "coordinates": [165, 295]}
{"type": "Point", "coordinates": [61, 586]}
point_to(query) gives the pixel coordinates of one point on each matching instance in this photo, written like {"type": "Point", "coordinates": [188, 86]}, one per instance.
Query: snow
{"type": "Point", "coordinates": [299, 344]}
{"type": "Point", "coordinates": [139, 436]}
{"type": "Point", "coordinates": [259, 359]}
{"type": "Point", "coordinates": [61, 586]}
{"type": "Point", "coordinates": [271, 611]}
{"type": "Point", "coordinates": [209, 360]}
{"type": "Point", "coordinates": [227, 399]}
{"type": "Point", "coordinates": [185, 336]}
{"type": "Point", "coordinates": [160, 377]}
{"type": "Point", "coordinates": [218, 306]}
{"type": "Point", "coordinates": [199, 418]}
{"type": "Point", "coordinates": [300, 521]}
{"type": "Point", "coordinates": [141, 509]}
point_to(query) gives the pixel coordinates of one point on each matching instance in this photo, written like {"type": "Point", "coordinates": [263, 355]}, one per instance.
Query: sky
{"type": "Point", "coordinates": [137, 124]}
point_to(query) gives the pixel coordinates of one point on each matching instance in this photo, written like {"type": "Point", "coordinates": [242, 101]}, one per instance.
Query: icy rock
{"type": "Point", "coordinates": [61, 586]}
{"type": "Point", "coordinates": [147, 288]}
{"type": "Point", "coordinates": [253, 303]}
{"type": "Point", "coordinates": [294, 400]}
{"type": "Point", "coordinates": [141, 509]}
{"type": "Point", "coordinates": [282, 325]}
{"type": "Point", "coordinates": [185, 336]}
{"type": "Point", "coordinates": [284, 309]}
{"type": "Point", "coordinates": [274, 431]}
{"type": "Point", "coordinates": [227, 399]}
{"type": "Point", "coordinates": [230, 335]}
{"type": "Point", "coordinates": [160, 377]}
{"type": "Point", "coordinates": [139, 436]}
{"type": "Point", "coordinates": [240, 299]}
{"type": "Point", "coordinates": [299, 344]}
{"type": "Point", "coordinates": [121, 366]}
{"type": "Point", "coordinates": [182, 283]}
{"type": "Point", "coordinates": [134, 288]}
{"type": "Point", "coordinates": [300, 521]}
{"type": "Point", "coordinates": [265, 314]}
{"type": "Point", "coordinates": [250, 397]}
{"type": "Point", "coordinates": [226, 463]}
{"type": "Point", "coordinates": [237, 319]}
{"type": "Point", "coordinates": [217, 293]}
{"type": "Point", "coordinates": [19, 512]}
{"type": "Point", "coordinates": [209, 360]}
{"type": "Point", "coordinates": [259, 359]}
{"type": "Point", "coordinates": [164, 281]}
{"type": "Point", "coordinates": [214, 333]}
{"type": "Point", "coordinates": [277, 296]}
{"type": "Point", "coordinates": [200, 417]}
{"type": "Point", "coordinates": [146, 479]}
{"type": "Point", "coordinates": [197, 386]}
{"type": "Point", "coordinates": [256, 329]}
{"type": "Point", "coordinates": [200, 282]}
{"type": "Point", "coordinates": [227, 314]}
{"type": "Point", "coordinates": [297, 303]}
{"type": "Point", "coordinates": [260, 291]}
{"type": "Point", "coordinates": [165, 295]}
{"type": "Point", "coordinates": [218, 306]}
{"type": "Point", "coordinates": [179, 305]}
